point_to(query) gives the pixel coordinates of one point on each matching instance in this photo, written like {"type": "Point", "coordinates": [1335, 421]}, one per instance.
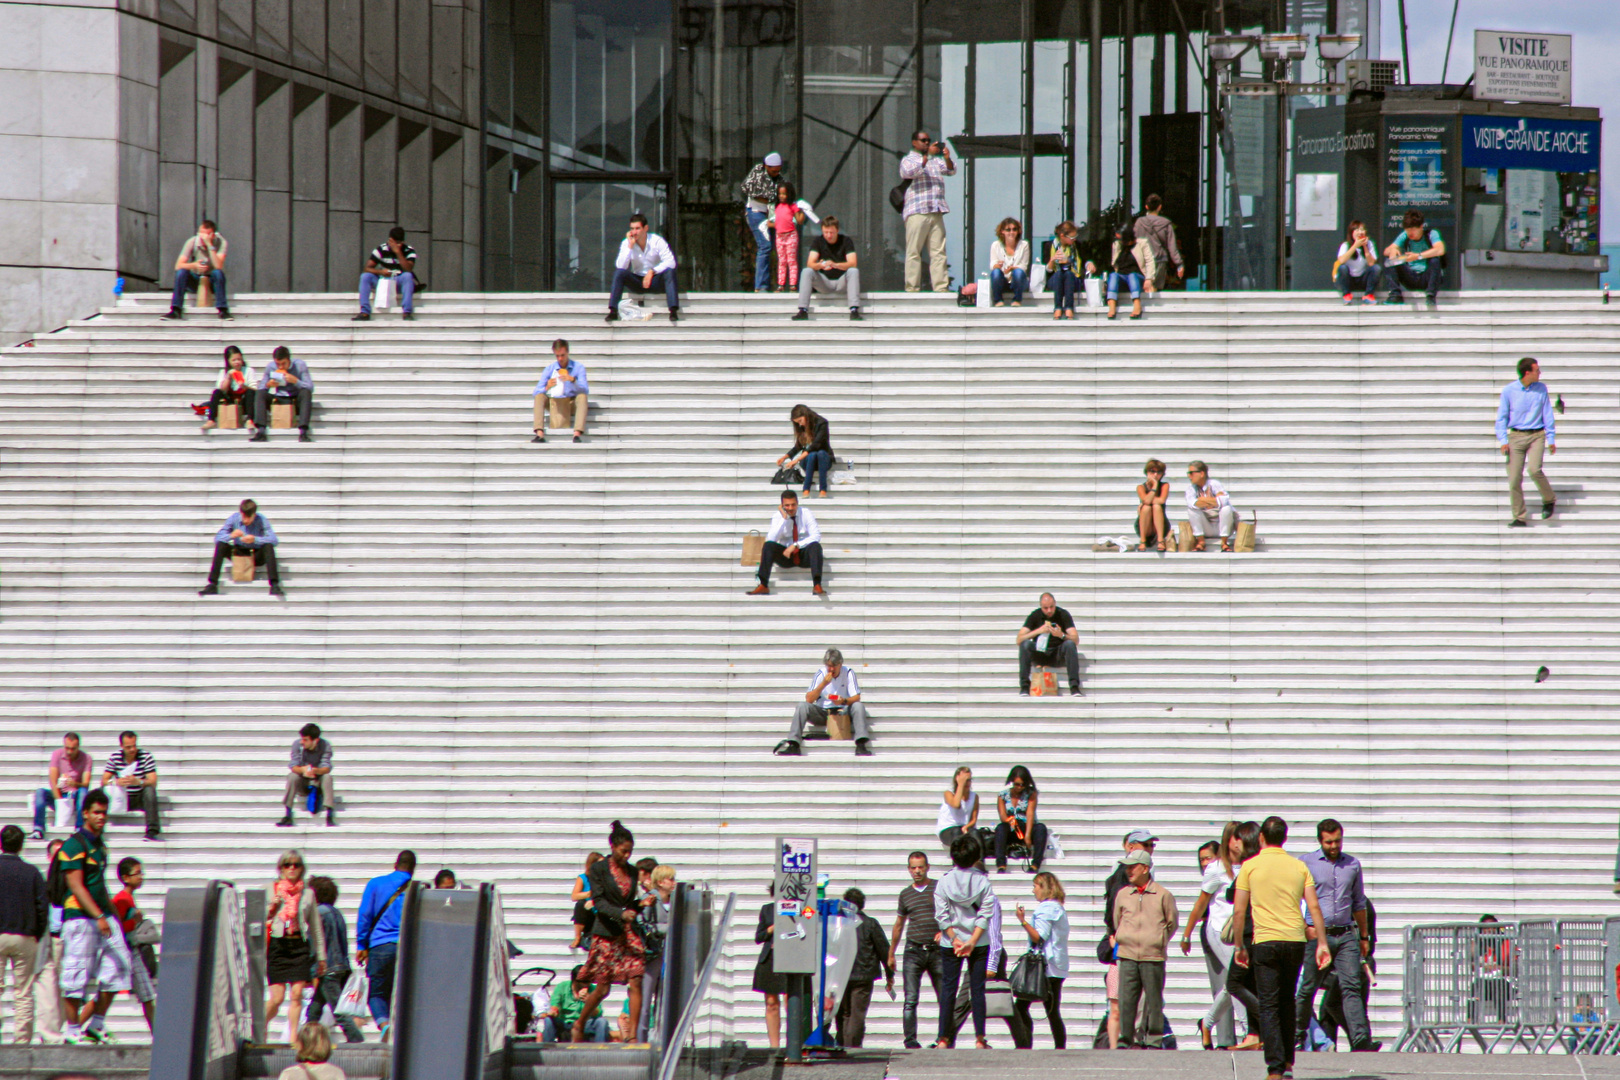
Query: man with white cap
{"type": "Point", "coordinates": [759, 195]}
{"type": "Point", "coordinates": [1135, 840]}
{"type": "Point", "coordinates": [1145, 917]}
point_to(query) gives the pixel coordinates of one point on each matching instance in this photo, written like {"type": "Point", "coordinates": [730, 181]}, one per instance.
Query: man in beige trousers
{"type": "Point", "coordinates": [24, 918]}
{"type": "Point", "coordinates": [925, 208]}
{"type": "Point", "coordinates": [1524, 426]}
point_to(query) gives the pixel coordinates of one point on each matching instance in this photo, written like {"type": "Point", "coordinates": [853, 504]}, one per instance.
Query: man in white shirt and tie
{"type": "Point", "coordinates": [833, 688]}
{"type": "Point", "coordinates": [794, 539]}
{"type": "Point", "coordinates": [1209, 509]}
{"type": "Point", "coordinates": [645, 262]}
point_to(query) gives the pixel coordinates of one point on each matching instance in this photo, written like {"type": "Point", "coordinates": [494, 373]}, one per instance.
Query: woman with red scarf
{"type": "Point", "coordinates": [295, 947]}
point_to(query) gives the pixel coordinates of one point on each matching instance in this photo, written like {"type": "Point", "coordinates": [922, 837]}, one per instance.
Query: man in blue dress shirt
{"type": "Point", "coordinates": [1344, 911]}
{"type": "Point", "coordinates": [1524, 425]}
{"type": "Point", "coordinates": [246, 532]}
{"type": "Point", "coordinates": [287, 382]}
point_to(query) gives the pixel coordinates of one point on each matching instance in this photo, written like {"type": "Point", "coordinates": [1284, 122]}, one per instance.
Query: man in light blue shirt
{"type": "Point", "coordinates": [1524, 425]}
{"type": "Point", "coordinates": [246, 532]}
{"type": "Point", "coordinates": [287, 382]}
{"type": "Point", "coordinates": [563, 380]}
{"type": "Point", "coordinates": [1343, 902]}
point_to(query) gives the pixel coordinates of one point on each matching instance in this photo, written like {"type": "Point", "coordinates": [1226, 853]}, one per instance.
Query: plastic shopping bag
{"type": "Point", "coordinates": [67, 811]}
{"type": "Point", "coordinates": [1094, 292]}
{"type": "Point", "coordinates": [356, 993]}
{"type": "Point", "coordinates": [630, 311]}
{"type": "Point", "coordinates": [117, 799]}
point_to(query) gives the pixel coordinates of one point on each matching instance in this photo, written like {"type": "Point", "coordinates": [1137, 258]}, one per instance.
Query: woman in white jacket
{"type": "Point", "coordinates": [1009, 262]}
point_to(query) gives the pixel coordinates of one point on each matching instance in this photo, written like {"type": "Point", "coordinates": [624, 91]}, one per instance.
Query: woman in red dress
{"type": "Point", "coordinates": [617, 954]}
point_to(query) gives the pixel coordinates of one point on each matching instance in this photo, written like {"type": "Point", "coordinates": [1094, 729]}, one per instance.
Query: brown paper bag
{"type": "Point", "coordinates": [241, 568]}
{"type": "Point", "coordinates": [1043, 682]}
{"type": "Point", "coordinates": [205, 291]}
{"type": "Point", "coordinates": [1184, 536]}
{"type": "Point", "coordinates": [839, 728]}
{"type": "Point", "coordinates": [281, 416]}
{"type": "Point", "coordinates": [562, 412]}
{"type": "Point", "coordinates": [753, 547]}
{"type": "Point", "coordinates": [1245, 534]}
{"type": "Point", "coordinates": [230, 416]}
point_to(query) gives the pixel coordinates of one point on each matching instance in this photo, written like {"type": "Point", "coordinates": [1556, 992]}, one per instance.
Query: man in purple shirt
{"type": "Point", "coordinates": [69, 779]}
{"type": "Point", "coordinates": [925, 168]}
{"type": "Point", "coordinates": [1344, 911]}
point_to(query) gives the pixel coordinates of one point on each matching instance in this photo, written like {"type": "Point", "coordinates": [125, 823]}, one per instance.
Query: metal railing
{"type": "Point", "coordinates": [1536, 985]}
{"type": "Point", "coordinates": [671, 1057]}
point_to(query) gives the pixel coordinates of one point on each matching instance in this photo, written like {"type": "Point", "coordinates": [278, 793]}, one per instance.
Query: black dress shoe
{"type": "Point", "coordinates": [331, 818]}
{"type": "Point", "coordinates": [802, 316]}
{"type": "Point", "coordinates": [210, 589]}
{"type": "Point", "coordinates": [286, 821]}
{"type": "Point", "coordinates": [1517, 524]}
{"type": "Point", "coordinates": [304, 435]}
{"type": "Point", "coordinates": [409, 316]}
{"type": "Point", "coordinates": [276, 589]}
{"type": "Point", "coordinates": [674, 315]}
{"type": "Point", "coordinates": [788, 748]}
{"type": "Point", "coordinates": [225, 315]}
{"type": "Point", "coordinates": [1075, 691]}
{"type": "Point", "coordinates": [174, 313]}
{"type": "Point", "coordinates": [855, 314]}
{"type": "Point", "coordinates": [863, 747]}
{"type": "Point", "coordinates": [538, 438]}
{"type": "Point", "coordinates": [362, 317]}
{"type": "Point", "coordinates": [612, 316]}
{"type": "Point", "coordinates": [1547, 509]}
{"type": "Point", "coordinates": [579, 438]}
{"type": "Point", "coordinates": [259, 436]}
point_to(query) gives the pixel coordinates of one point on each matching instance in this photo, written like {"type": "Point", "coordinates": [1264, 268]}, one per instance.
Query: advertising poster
{"type": "Point", "coordinates": [1418, 172]}
{"type": "Point", "coordinates": [1527, 209]}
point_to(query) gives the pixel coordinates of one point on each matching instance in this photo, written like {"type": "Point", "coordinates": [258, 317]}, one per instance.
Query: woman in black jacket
{"type": "Point", "coordinates": [810, 446]}
{"type": "Point", "coordinates": [766, 980]}
{"type": "Point", "coordinates": [617, 953]}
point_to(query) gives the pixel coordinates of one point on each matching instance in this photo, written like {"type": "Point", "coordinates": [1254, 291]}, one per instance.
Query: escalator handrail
{"type": "Point", "coordinates": [683, 1027]}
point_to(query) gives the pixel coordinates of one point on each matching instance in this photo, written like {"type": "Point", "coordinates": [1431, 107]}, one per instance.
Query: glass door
{"type": "Point", "coordinates": [590, 219]}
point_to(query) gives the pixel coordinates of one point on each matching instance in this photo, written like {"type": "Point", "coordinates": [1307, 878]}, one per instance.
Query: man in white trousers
{"type": "Point", "coordinates": [1209, 508]}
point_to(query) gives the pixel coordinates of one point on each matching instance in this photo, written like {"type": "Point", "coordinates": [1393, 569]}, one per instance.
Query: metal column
{"type": "Point", "coordinates": [1127, 103]}
{"type": "Point", "coordinates": [1094, 113]}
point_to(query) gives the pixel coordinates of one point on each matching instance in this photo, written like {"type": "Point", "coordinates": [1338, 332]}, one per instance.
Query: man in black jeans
{"type": "Point", "coordinates": [1048, 638]}
{"type": "Point", "coordinates": [921, 939]}
{"type": "Point", "coordinates": [1273, 883]}
{"type": "Point", "coordinates": [246, 532]}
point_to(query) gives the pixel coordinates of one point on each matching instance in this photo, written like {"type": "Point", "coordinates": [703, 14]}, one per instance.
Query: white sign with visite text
{"type": "Point", "coordinates": [1514, 66]}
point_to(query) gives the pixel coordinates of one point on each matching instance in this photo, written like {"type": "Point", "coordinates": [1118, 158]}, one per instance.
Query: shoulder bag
{"type": "Point", "coordinates": [1028, 978]}
{"type": "Point", "coordinates": [897, 196]}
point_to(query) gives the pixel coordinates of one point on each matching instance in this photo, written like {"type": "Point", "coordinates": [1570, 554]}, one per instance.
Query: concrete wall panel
{"type": "Point", "coordinates": [235, 218]}
{"type": "Point", "coordinates": [309, 254]}
{"type": "Point", "coordinates": [272, 241]}
{"type": "Point", "coordinates": [345, 252]}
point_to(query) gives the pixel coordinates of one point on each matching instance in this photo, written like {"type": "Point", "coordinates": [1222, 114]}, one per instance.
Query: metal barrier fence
{"type": "Point", "coordinates": [1541, 986]}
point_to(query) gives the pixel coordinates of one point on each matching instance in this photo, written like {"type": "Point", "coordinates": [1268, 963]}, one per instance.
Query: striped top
{"type": "Point", "coordinates": [144, 763]}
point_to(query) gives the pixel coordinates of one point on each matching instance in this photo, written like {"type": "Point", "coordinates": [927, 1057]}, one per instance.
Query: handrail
{"type": "Point", "coordinates": [683, 1027]}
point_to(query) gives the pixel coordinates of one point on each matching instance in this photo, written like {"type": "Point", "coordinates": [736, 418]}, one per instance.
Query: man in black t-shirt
{"type": "Point", "coordinates": [1047, 637]}
{"type": "Point", "coordinates": [831, 269]}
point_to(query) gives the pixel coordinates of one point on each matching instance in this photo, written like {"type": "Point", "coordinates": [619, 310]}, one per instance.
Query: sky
{"type": "Point", "coordinates": [1595, 25]}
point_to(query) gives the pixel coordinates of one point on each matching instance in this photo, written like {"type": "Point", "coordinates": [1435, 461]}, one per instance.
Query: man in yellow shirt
{"type": "Point", "coordinates": [1272, 884]}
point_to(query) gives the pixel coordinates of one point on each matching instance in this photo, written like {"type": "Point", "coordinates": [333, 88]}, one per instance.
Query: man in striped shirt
{"type": "Point", "coordinates": [134, 770]}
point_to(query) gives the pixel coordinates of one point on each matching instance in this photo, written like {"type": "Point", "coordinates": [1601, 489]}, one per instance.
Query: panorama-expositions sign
{"type": "Point", "coordinates": [1514, 66]}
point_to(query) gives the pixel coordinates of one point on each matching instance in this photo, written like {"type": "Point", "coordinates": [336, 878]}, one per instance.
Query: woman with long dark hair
{"type": "Point", "coordinates": [234, 387]}
{"type": "Point", "coordinates": [766, 980]}
{"type": "Point", "coordinates": [1015, 811]}
{"type": "Point", "coordinates": [1125, 271]}
{"type": "Point", "coordinates": [1356, 268]}
{"type": "Point", "coordinates": [811, 446]}
{"type": "Point", "coordinates": [617, 954]}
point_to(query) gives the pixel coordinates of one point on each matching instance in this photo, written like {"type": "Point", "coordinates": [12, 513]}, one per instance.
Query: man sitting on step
{"type": "Point", "coordinates": [1048, 638]}
{"type": "Point", "coordinates": [285, 382]}
{"type": "Point", "coordinates": [395, 259]}
{"type": "Point", "coordinates": [832, 269]}
{"type": "Point", "coordinates": [310, 762]}
{"type": "Point", "coordinates": [794, 539]}
{"type": "Point", "coordinates": [645, 262]}
{"type": "Point", "coordinates": [833, 688]}
{"type": "Point", "coordinates": [246, 532]}
{"type": "Point", "coordinates": [1209, 509]}
{"type": "Point", "coordinates": [563, 381]}
{"type": "Point", "coordinates": [202, 258]}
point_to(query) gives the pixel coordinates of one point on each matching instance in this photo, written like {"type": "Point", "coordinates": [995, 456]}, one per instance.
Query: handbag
{"type": "Point", "coordinates": [897, 196]}
{"type": "Point", "coordinates": [146, 932]}
{"type": "Point", "coordinates": [1105, 950]}
{"type": "Point", "coordinates": [352, 1002]}
{"type": "Point", "coordinates": [1028, 978]}
{"type": "Point", "coordinates": [1228, 931]}
{"type": "Point", "coordinates": [787, 476]}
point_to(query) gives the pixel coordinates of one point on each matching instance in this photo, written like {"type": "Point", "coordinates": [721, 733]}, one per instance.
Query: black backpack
{"type": "Point", "coordinates": [56, 887]}
{"type": "Point", "coordinates": [897, 196]}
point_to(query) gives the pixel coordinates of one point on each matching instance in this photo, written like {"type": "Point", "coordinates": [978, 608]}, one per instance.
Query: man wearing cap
{"type": "Point", "coordinates": [759, 195]}
{"type": "Point", "coordinates": [1145, 917]}
{"type": "Point", "coordinates": [1135, 840]}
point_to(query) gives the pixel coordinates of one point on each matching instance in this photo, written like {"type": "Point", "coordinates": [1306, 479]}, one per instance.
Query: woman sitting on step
{"type": "Point", "coordinates": [235, 387]}
{"type": "Point", "coordinates": [1151, 495]}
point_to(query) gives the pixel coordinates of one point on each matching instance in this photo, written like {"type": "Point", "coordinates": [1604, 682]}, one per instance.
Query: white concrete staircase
{"type": "Point", "coordinates": [510, 645]}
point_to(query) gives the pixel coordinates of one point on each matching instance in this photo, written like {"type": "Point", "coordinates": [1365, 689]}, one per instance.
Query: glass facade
{"type": "Point", "coordinates": [1055, 109]}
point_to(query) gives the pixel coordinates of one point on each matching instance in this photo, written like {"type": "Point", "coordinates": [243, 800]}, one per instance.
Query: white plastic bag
{"type": "Point", "coordinates": [356, 993]}
{"type": "Point", "coordinates": [1094, 292]}
{"type": "Point", "coordinates": [67, 810]}
{"type": "Point", "coordinates": [1037, 279]}
{"type": "Point", "coordinates": [117, 799]}
{"type": "Point", "coordinates": [630, 311]}
{"type": "Point", "coordinates": [982, 297]}
{"type": "Point", "coordinates": [385, 294]}
{"type": "Point", "coordinates": [1054, 850]}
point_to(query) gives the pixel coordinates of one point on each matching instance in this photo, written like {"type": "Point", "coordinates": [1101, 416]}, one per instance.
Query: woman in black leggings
{"type": "Point", "coordinates": [1048, 930]}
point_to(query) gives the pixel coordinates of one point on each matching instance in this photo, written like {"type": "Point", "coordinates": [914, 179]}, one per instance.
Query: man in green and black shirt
{"type": "Point", "coordinates": [93, 949]}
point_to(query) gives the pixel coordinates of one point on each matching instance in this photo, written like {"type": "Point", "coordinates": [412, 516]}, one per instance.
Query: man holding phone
{"type": "Point", "coordinates": [1047, 637]}
{"type": "Point", "coordinates": [925, 208]}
